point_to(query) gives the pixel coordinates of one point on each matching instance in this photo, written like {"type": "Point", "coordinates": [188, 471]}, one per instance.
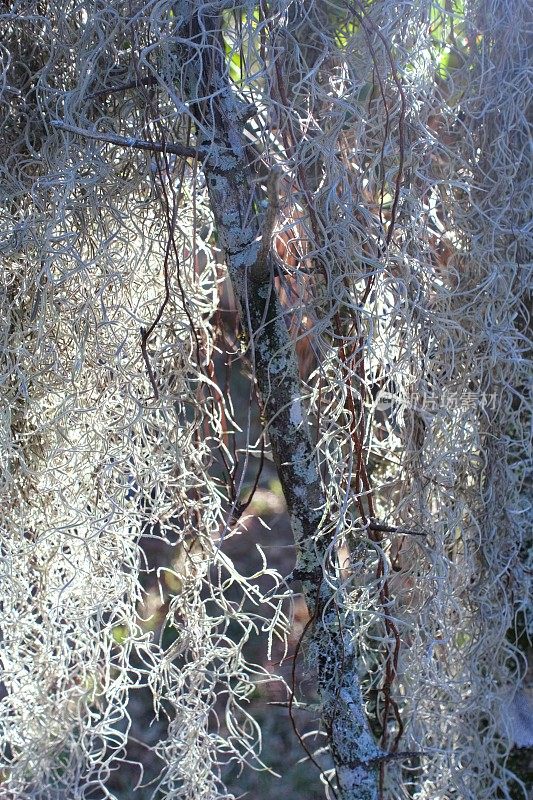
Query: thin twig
{"type": "Point", "coordinates": [377, 526]}
{"type": "Point", "coordinates": [144, 349]}
{"type": "Point", "coordinates": [123, 87]}
{"type": "Point", "coordinates": [132, 141]}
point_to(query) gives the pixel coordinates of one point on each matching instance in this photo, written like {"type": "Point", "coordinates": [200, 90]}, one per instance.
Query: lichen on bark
{"type": "Point", "coordinates": [229, 180]}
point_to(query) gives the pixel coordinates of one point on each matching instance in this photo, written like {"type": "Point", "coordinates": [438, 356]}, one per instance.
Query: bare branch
{"type": "Point", "coordinates": [123, 87]}
{"type": "Point", "coordinates": [131, 141]}
{"type": "Point", "coordinates": [380, 528]}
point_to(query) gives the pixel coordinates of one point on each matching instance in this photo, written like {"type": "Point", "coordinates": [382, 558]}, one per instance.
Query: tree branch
{"type": "Point", "coordinates": [246, 241]}
{"type": "Point", "coordinates": [381, 528]}
{"type": "Point", "coordinates": [270, 216]}
{"type": "Point", "coordinates": [131, 141]}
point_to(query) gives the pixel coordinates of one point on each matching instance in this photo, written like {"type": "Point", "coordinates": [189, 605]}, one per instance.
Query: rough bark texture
{"type": "Point", "coordinates": [355, 753]}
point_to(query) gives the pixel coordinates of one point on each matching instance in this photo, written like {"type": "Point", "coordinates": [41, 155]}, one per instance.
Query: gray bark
{"type": "Point", "coordinates": [220, 119]}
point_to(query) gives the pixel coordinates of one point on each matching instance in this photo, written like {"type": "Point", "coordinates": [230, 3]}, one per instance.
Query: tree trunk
{"type": "Point", "coordinates": [251, 269]}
